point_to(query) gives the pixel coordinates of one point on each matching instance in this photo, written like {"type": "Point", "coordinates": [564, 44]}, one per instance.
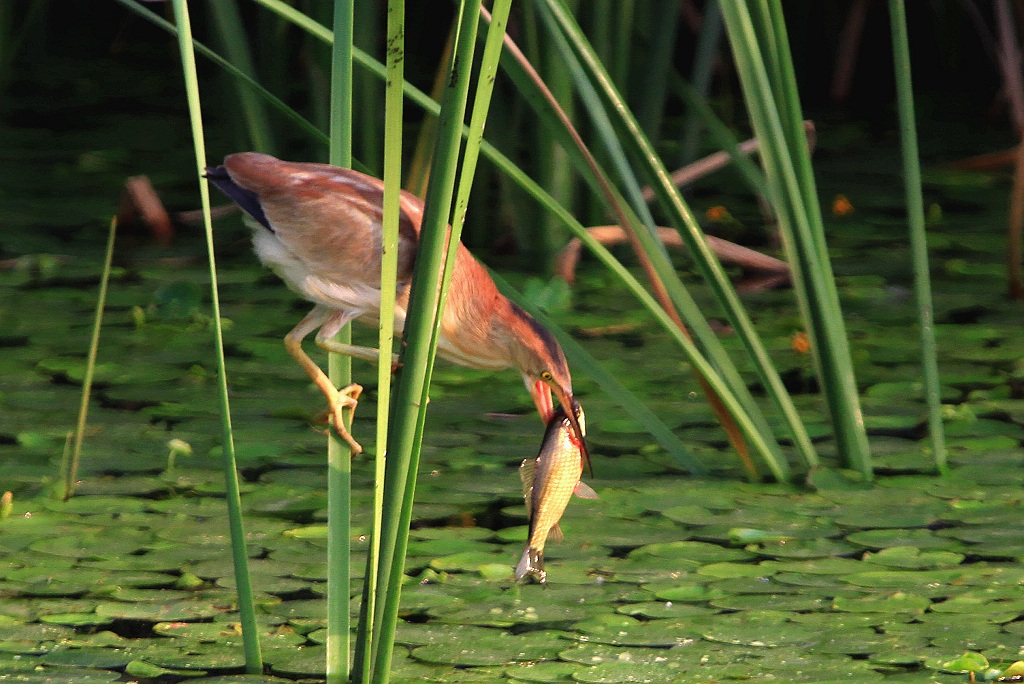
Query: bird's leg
{"type": "Point", "coordinates": [330, 328]}
{"type": "Point", "coordinates": [337, 400]}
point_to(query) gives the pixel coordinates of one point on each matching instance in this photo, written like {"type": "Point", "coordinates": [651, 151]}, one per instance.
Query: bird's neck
{"type": "Point", "coordinates": [527, 339]}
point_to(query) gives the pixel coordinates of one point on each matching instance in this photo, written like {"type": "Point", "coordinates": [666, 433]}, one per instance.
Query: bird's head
{"type": "Point", "coordinates": [546, 374]}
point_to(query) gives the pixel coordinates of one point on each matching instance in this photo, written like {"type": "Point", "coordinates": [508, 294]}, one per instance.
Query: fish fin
{"type": "Point", "coordinates": [524, 567]}
{"type": "Point", "coordinates": [584, 491]}
{"type": "Point", "coordinates": [555, 534]}
{"type": "Point", "coordinates": [531, 564]}
{"type": "Point", "coordinates": [526, 474]}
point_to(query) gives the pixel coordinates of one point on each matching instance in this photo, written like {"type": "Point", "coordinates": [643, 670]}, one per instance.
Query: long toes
{"type": "Point", "coordinates": [347, 398]}
{"type": "Point", "coordinates": [355, 446]}
{"type": "Point", "coordinates": [350, 395]}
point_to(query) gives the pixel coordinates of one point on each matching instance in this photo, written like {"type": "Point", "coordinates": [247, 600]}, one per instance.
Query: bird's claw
{"type": "Point", "coordinates": [345, 398]}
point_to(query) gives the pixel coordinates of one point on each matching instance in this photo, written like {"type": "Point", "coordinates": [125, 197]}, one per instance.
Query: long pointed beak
{"type": "Point", "coordinates": [568, 403]}
{"type": "Point", "coordinates": [541, 393]}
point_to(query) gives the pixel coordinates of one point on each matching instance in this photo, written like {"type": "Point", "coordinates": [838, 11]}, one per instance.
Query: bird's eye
{"type": "Point", "coordinates": [546, 376]}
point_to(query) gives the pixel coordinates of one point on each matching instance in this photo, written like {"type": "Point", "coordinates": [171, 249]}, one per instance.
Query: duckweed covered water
{"type": "Point", "coordinates": [666, 578]}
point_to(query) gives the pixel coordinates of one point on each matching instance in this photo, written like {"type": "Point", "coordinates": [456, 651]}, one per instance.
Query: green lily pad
{"type": "Point", "coordinates": [912, 558]}
{"type": "Point", "coordinates": [887, 538]}
{"type": "Point", "coordinates": [75, 619]}
{"type": "Point", "coordinates": [897, 602]}
{"type": "Point", "coordinates": [620, 630]}
{"type": "Point", "coordinates": [664, 610]}
{"type": "Point", "coordinates": [495, 648]}
{"type": "Point", "coordinates": [689, 550]}
{"type": "Point", "coordinates": [196, 657]}
{"type": "Point", "coordinates": [170, 611]}
{"type": "Point", "coordinates": [543, 672]}
{"type": "Point", "coordinates": [740, 633]}
{"type": "Point", "coordinates": [608, 673]}
{"type": "Point", "coordinates": [100, 658]}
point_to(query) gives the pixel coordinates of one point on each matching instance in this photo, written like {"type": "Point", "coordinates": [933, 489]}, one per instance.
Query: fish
{"type": "Point", "coordinates": [549, 481]}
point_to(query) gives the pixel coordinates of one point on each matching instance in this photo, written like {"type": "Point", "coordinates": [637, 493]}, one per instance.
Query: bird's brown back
{"type": "Point", "coordinates": [330, 218]}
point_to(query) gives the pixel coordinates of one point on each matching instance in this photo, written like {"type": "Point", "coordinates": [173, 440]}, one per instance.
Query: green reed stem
{"type": "Point", "coordinates": [692, 235]}
{"type": "Point", "coordinates": [706, 121]}
{"type": "Point", "coordinates": [474, 139]}
{"type": "Point", "coordinates": [708, 42]}
{"type": "Point", "coordinates": [227, 21]}
{"type": "Point", "coordinates": [663, 435]}
{"type": "Point", "coordinates": [554, 171]}
{"type": "Point", "coordinates": [339, 370]}
{"type": "Point", "coordinates": [246, 608]}
{"type": "Point", "coordinates": [766, 75]}
{"type": "Point", "coordinates": [71, 471]}
{"type": "Point", "coordinates": [275, 102]}
{"type": "Point", "coordinates": [393, 130]}
{"type": "Point", "coordinates": [656, 61]}
{"type": "Point", "coordinates": [410, 392]}
{"type": "Point", "coordinates": [368, 31]}
{"type": "Point", "coordinates": [918, 239]}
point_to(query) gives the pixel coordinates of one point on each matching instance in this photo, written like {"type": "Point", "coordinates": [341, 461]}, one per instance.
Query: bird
{"type": "Point", "coordinates": [318, 227]}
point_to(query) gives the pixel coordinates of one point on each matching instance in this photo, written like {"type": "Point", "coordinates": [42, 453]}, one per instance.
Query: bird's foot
{"type": "Point", "coordinates": [345, 399]}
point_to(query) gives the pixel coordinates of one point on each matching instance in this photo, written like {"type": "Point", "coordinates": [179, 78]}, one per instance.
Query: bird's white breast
{"type": "Point", "coordinates": [356, 298]}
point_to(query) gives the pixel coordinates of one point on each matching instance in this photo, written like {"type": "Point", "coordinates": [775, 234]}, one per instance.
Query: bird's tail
{"type": "Point", "coordinates": [531, 563]}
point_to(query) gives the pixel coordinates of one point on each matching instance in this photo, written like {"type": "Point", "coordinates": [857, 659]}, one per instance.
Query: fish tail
{"type": "Point", "coordinates": [524, 568]}
{"type": "Point", "coordinates": [531, 563]}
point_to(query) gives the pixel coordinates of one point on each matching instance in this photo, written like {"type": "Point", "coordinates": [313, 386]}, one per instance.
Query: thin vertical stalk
{"type": "Point", "coordinates": [700, 78]}
{"type": "Point", "coordinates": [71, 473]}
{"type": "Point", "coordinates": [644, 417]}
{"type": "Point", "coordinates": [339, 370]}
{"type": "Point", "coordinates": [368, 90]}
{"type": "Point", "coordinates": [650, 87]}
{"type": "Point", "coordinates": [227, 20]}
{"type": "Point", "coordinates": [410, 408]}
{"type": "Point", "coordinates": [918, 240]}
{"type": "Point", "coordinates": [775, 113]}
{"type": "Point", "coordinates": [393, 127]}
{"type": "Point", "coordinates": [474, 138]}
{"type": "Point", "coordinates": [246, 608]}
{"type": "Point", "coordinates": [693, 236]}
{"type": "Point", "coordinates": [839, 382]}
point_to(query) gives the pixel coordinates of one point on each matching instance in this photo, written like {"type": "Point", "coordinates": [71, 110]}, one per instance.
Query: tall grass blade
{"type": "Point", "coordinates": [722, 136]}
{"type": "Point", "coordinates": [411, 387]}
{"type": "Point", "coordinates": [246, 608]}
{"type": "Point", "coordinates": [339, 370]}
{"type": "Point", "coordinates": [708, 43]}
{"type": "Point", "coordinates": [393, 129]}
{"type": "Point", "coordinates": [275, 102]}
{"type": "Point", "coordinates": [580, 359]}
{"type": "Point", "coordinates": [227, 21]}
{"type": "Point", "coordinates": [693, 237]}
{"type": "Point", "coordinates": [554, 170]}
{"type": "Point", "coordinates": [71, 472]}
{"type": "Point", "coordinates": [918, 239]}
{"type": "Point", "coordinates": [650, 86]}
{"type": "Point", "coordinates": [648, 421]}
{"type": "Point", "coordinates": [773, 103]}
{"type": "Point", "coordinates": [474, 139]}
{"type": "Point", "coordinates": [368, 32]}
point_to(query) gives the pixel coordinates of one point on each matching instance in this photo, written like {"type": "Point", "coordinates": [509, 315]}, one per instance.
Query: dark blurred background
{"type": "Point", "coordinates": [91, 93]}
